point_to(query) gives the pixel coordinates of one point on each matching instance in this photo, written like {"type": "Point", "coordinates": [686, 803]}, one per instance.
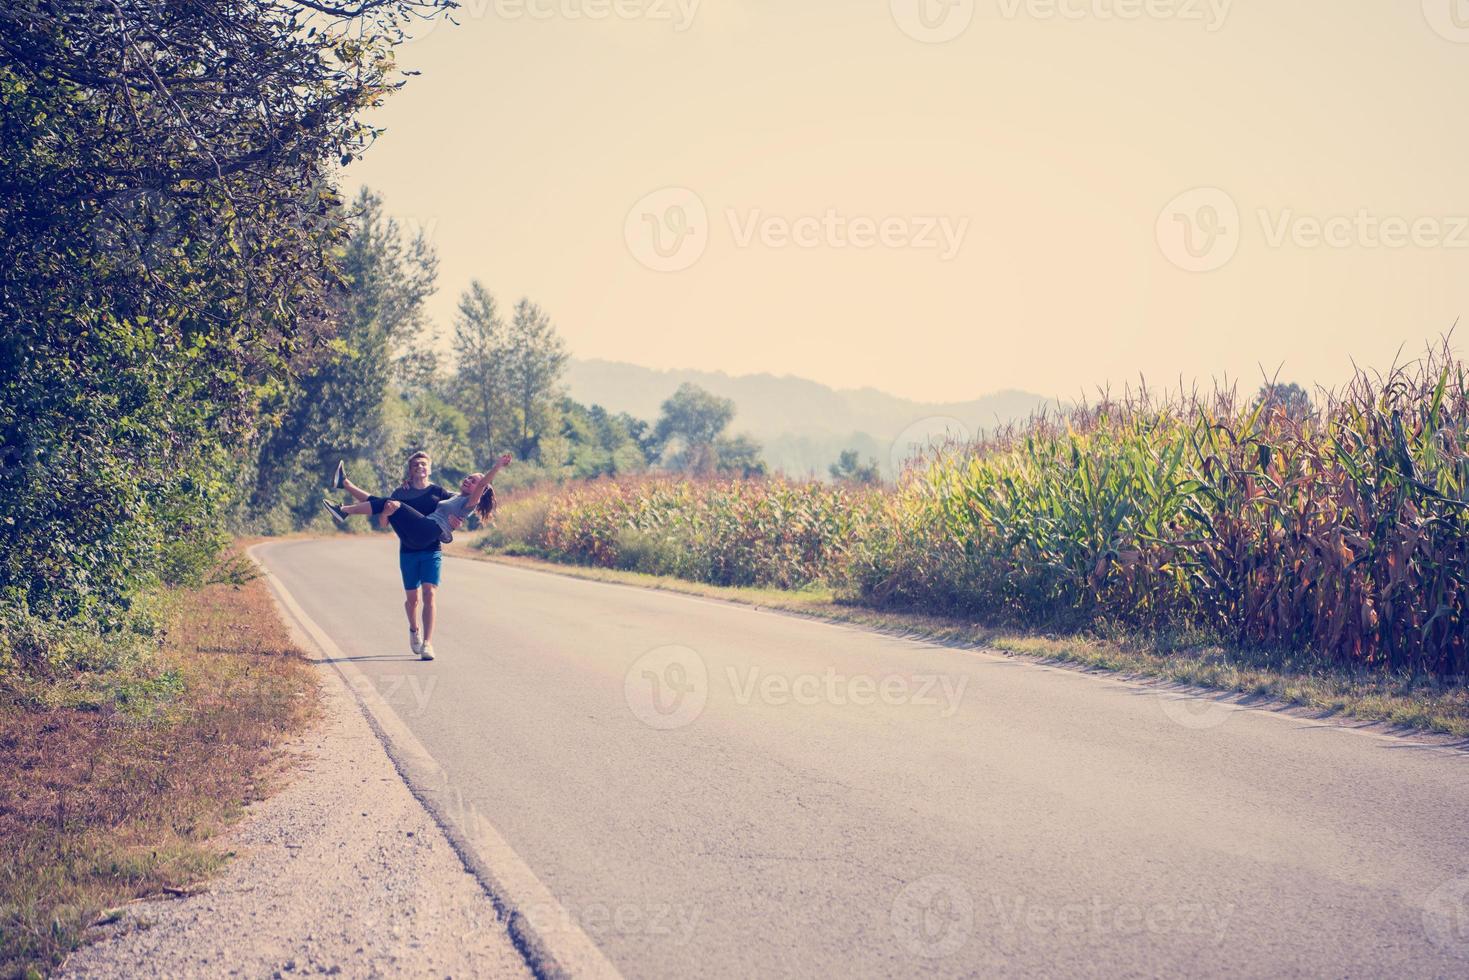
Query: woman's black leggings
{"type": "Point", "coordinates": [418, 532]}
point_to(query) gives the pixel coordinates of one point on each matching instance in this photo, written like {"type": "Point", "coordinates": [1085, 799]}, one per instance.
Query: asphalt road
{"type": "Point", "coordinates": [712, 789]}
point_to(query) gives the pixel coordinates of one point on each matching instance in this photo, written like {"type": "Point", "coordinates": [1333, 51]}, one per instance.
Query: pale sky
{"type": "Point", "coordinates": [942, 198]}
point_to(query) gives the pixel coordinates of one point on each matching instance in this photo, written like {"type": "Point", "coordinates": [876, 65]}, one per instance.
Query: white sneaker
{"type": "Point", "coordinates": [414, 643]}
{"type": "Point", "coordinates": [426, 652]}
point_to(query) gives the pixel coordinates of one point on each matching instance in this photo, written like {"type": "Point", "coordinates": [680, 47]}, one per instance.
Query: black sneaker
{"type": "Point", "coordinates": [340, 476]}
{"type": "Point", "coordinates": [337, 513]}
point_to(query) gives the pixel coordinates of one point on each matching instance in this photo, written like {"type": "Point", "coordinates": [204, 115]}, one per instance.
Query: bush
{"type": "Point", "coordinates": [36, 648]}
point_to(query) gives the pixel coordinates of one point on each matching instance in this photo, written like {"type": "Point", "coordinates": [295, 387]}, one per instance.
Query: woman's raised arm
{"type": "Point", "coordinates": [478, 489]}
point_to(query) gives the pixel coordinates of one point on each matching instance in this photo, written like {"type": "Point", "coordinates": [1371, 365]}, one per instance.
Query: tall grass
{"type": "Point", "coordinates": [726, 532]}
{"type": "Point", "coordinates": [1340, 534]}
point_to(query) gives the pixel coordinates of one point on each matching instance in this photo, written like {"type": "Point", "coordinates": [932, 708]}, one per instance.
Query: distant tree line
{"type": "Point", "coordinates": [381, 390]}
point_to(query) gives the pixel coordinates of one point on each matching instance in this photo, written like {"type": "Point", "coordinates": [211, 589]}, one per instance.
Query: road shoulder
{"type": "Point", "coordinates": [341, 872]}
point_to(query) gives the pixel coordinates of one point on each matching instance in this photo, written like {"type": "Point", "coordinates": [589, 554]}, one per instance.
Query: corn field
{"type": "Point", "coordinates": [1339, 532]}
{"type": "Point", "coordinates": [727, 532]}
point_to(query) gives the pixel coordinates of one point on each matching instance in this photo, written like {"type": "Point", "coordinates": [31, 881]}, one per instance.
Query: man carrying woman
{"type": "Point", "coordinates": [410, 511]}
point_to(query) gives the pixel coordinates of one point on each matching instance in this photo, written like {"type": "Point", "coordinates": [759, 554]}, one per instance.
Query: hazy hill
{"type": "Point", "coordinates": [803, 425]}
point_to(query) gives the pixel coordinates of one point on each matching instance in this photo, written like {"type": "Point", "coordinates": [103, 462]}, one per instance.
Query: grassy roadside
{"type": "Point", "coordinates": [1259, 677]}
{"type": "Point", "coordinates": [112, 799]}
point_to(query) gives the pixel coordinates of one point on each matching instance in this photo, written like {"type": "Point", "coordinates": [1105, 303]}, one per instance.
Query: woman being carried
{"type": "Point", "coordinates": [418, 530]}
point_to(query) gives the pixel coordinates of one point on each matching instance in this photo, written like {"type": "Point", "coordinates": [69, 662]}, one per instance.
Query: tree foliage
{"type": "Point", "coordinates": [482, 385]}
{"type": "Point", "coordinates": [167, 233]}
{"type": "Point", "coordinates": [1290, 398]}
{"type": "Point", "coordinates": [342, 405]}
{"type": "Point", "coordinates": [849, 468]}
{"type": "Point", "coordinates": [535, 358]}
{"type": "Point", "coordinates": [690, 436]}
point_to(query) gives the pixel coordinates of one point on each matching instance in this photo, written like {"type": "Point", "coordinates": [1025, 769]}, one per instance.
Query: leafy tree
{"type": "Point", "coordinates": [535, 358]}
{"type": "Point", "coordinates": [738, 456]}
{"type": "Point", "coordinates": [692, 420]}
{"type": "Point", "coordinates": [690, 435]}
{"type": "Point", "coordinates": [642, 434]}
{"type": "Point", "coordinates": [849, 469]}
{"type": "Point", "coordinates": [482, 385]}
{"type": "Point", "coordinates": [167, 238]}
{"type": "Point", "coordinates": [338, 408]}
{"type": "Point", "coordinates": [1290, 398]}
{"type": "Point", "coordinates": [596, 443]}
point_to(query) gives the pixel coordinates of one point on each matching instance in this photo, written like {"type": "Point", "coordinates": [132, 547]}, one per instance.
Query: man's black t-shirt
{"type": "Point", "coordinates": [424, 501]}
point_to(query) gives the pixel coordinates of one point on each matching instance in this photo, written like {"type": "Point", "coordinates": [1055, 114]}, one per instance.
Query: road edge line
{"type": "Point", "coordinates": [543, 932]}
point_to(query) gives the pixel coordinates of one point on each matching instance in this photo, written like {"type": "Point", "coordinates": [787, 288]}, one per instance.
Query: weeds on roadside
{"type": "Point", "coordinates": [116, 779]}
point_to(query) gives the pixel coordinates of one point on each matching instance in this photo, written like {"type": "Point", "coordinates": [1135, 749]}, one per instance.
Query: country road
{"type": "Point", "coordinates": [711, 789]}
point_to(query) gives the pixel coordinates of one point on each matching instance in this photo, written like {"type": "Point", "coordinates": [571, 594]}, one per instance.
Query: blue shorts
{"type": "Point", "coordinates": [419, 568]}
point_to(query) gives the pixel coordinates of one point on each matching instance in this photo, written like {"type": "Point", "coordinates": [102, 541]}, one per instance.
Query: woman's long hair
{"type": "Point", "coordinates": [486, 505]}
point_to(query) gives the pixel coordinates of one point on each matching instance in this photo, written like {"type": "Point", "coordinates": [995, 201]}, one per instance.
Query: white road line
{"type": "Point", "coordinates": [546, 934]}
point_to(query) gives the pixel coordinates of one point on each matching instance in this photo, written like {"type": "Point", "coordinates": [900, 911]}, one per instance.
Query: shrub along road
{"type": "Point", "coordinates": [703, 786]}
